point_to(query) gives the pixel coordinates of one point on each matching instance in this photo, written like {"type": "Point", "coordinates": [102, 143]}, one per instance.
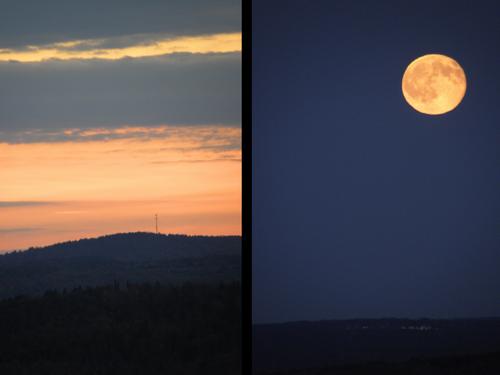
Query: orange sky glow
{"type": "Point", "coordinates": [100, 181]}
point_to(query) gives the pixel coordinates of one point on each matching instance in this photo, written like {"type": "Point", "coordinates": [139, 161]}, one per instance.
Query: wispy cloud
{"type": "Point", "coordinates": [203, 138]}
{"type": "Point", "coordinates": [18, 230]}
{"type": "Point", "coordinates": [25, 203]}
{"type": "Point", "coordinates": [115, 48]}
{"type": "Point", "coordinates": [196, 161]}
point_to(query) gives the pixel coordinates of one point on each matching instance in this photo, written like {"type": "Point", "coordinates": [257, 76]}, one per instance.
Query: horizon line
{"type": "Point", "coordinates": [38, 247]}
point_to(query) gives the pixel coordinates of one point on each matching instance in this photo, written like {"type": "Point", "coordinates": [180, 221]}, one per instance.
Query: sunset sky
{"type": "Point", "coordinates": [111, 112]}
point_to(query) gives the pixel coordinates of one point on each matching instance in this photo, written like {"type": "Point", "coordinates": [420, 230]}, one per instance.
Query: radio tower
{"type": "Point", "coordinates": [156, 221]}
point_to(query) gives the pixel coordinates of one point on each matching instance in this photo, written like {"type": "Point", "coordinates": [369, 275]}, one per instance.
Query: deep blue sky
{"type": "Point", "coordinates": [363, 207]}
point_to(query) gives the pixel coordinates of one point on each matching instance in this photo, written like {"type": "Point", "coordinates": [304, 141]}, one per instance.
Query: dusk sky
{"type": "Point", "coordinates": [113, 111]}
{"type": "Point", "coordinates": [362, 206]}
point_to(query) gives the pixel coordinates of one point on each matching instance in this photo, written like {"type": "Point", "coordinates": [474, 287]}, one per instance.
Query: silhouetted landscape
{"type": "Point", "coordinates": [132, 257]}
{"type": "Point", "coordinates": [132, 303]}
{"type": "Point", "coordinates": [378, 346]}
{"type": "Point", "coordinates": [123, 329]}
{"type": "Point", "coordinates": [482, 364]}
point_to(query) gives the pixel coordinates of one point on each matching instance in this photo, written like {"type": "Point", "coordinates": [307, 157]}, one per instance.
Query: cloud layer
{"type": "Point", "coordinates": [156, 45]}
{"type": "Point", "coordinates": [170, 89]}
{"type": "Point", "coordinates": [33, 22]}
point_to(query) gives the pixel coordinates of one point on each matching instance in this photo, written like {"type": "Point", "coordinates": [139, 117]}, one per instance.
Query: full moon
{"type": "Point", "coordinates": [434, 84]}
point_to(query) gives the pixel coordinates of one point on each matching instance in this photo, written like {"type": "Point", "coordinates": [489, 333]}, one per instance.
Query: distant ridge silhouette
{"type": "Point", "coordinates": [121, 257]}
{"type": "Point", "coordinates": [316, 345]}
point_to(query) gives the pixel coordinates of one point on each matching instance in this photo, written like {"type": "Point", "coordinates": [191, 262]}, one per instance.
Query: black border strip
{"type": "Point", "coordinates": [246, 124]}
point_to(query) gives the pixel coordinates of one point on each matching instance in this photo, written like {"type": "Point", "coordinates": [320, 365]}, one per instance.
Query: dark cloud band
{"type": "Point", "coordinates": [183, 89]}
{"type": "Point", "coordinates": [33, 22]}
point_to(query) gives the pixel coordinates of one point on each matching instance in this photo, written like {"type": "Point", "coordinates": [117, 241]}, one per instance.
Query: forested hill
{"type": "Point", "coordinates": [132, 257]}
{"type": "Point", "coordinates": [133, 246]}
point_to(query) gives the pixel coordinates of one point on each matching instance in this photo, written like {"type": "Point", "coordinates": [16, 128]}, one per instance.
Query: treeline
{"type": "Point", "coordinates": [124, 329]}
{"type": "Point", "coordinates": [137, 257]}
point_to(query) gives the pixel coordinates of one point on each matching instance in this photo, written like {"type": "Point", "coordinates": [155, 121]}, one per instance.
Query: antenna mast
{"type": "Point", "coordinates": [156, 220]}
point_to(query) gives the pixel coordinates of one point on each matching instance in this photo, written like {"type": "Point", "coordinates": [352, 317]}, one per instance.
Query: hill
{"type": "Point", "coordinates": [132, 257]}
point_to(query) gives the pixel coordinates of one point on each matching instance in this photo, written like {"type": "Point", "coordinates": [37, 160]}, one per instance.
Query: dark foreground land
{"type": "Point", "coordinates": [127, 304]}
{"type": "Point", "coordinates": [378, 346]}
{"type": "Point", "coordinates": [148, 329]}
{"type": "Point", "coordinates": [485, 364]}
